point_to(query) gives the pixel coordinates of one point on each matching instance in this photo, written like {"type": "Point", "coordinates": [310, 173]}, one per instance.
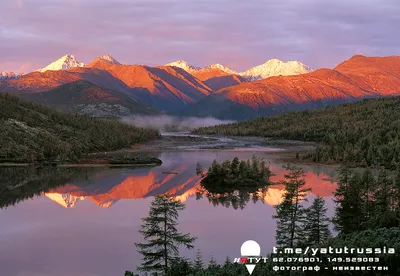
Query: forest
{"type": "Point", "coordinates": [367, 215]}
{"type": "Point", "coordinates": [33, 133]}
{"type": "Point", "coordinates": [365, 133]}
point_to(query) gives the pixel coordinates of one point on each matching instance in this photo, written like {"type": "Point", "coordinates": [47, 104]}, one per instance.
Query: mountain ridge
{"type": "Point", "coordinates": [103, 62]}
{"type": "Point", "coordinates": [357, 78]}
{"type": "Point", "coordinates": [86, 98]}
{"type": "Point", "coordinates": [272, 67]}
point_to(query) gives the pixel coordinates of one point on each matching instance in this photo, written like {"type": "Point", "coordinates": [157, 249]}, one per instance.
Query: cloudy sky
{"type": "Point", "coordinates": [236, 33]}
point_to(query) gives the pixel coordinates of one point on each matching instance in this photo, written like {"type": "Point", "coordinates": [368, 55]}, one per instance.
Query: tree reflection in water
{"type": "Point", "coordinates": [20, 183]}
{"type": "Point", "coordinates": [234, 183]}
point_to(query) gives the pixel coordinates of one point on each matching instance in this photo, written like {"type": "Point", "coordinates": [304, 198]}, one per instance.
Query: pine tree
{"type": "Point", "coordinates": [367, 197]}
{"type": "Point", "coordinates": [349, 211]}
{"type": "Point", "coordinates": [213, 262]}
{"type": "Point", "coordinates": [198, 263]}
{"type": "Point", "coordinates": [384, 201]}
{"type": "Point", "coordinates": [160, 231]}
{"type": "Point", "coordinates": [199, 169]}
{"type": "Point", "coordinates": [397, 195]}
{"type": "Point", "coordinates": [317, 223]}
{"type": "Point", "coordinates": [235, 167]}
{"type": "Point", "coordinates": [227, 261]}
{"type": "Point", "coordinates": [290, 213]}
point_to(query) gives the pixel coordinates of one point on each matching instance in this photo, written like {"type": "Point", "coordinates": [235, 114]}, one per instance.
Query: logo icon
{"type": "Point", "coordinates": [250, 251]}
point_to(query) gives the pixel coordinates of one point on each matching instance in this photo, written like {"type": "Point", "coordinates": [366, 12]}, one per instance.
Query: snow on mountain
{"type": "Point", "coordinates": [64, 63]}
{"type": "Point", "coordinates": [109, 59]}
{"type": "Point", "coordinates": [275, 67]}
{"type": "Point", "coordinates": [70, 201]}
{"type": "Point", "coordinates": [222, 68]}
{"type": "Point", "coordinates": [9, 76]}
{"type": "Point", "coordinates": [65, 200]}
{"type": "Point", "coordinates": [184, 65]}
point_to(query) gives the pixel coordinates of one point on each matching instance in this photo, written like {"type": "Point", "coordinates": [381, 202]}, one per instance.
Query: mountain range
{"type": "Point", "coordinates": [273, 67]}
{"type": "Point", "coordinates": [9, 76]}
{"type": "Point", "coordinates": [182, 89]}
{"type": "Point", "coordinates": [357, 78]}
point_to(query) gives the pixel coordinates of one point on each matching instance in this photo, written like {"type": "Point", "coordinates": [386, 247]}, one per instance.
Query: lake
{"type": "Point", "coordinates": [88, 226]}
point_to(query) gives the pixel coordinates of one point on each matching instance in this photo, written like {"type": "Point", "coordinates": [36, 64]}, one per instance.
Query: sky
{"type": "Point", "coordinates": [237, 33]}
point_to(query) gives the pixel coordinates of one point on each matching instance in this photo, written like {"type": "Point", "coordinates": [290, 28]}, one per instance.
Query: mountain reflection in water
{"type": "Point", "coordinates": [95, 235]}
{"type": "Point", "coordinates": [108, 187]}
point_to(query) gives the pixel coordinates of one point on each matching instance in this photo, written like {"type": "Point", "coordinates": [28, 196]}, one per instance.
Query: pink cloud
{"type": "Point", "coordinates": [237, 33]}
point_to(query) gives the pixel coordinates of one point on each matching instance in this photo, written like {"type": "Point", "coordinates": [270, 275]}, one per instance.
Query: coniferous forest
{"type": "Point", "coordinates": [30, 132]}
{"type": "Point", "coordinates": [367, 215]}
{"type": "Point", "coordinates": [365, 133]}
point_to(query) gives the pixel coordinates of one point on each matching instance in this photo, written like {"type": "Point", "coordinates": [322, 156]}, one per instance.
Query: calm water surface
{"type": "Point", "coordinates": [88, 226]}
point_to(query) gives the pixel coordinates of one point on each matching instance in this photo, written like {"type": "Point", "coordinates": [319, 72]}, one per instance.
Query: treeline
{"type": "Point", "coordinates": [234, 175]}
{"type": "Point", "coordinates": [367, 215]}
{"type": "Point", "coordinates": [365, 133]}
{"type": "Point", "coordinates": [364, 239]}
{"type": "Point", "coordinates": [19, 183]}
{"type": "Point", "coordinates": [233, 183]}
{"type": "Point", "coordinates": [365, 201]}
{"type": "Point", "coordinates": [30, 132]}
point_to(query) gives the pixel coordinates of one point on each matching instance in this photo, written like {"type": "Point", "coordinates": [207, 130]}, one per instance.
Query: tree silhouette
{"type": "Point", "coordinates": [163, 238]}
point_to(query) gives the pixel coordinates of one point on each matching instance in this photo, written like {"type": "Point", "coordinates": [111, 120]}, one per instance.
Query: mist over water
{"type": "Point", "coordinates": [172, 123]}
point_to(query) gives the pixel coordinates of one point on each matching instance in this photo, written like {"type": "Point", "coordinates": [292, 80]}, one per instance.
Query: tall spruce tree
{"type": "Point", "coordinates": [397, 194]}
{"type": "Point", "coordinates": [198, 263]}
{"type": "Point", "coordinates": [385, 198]}
{"type": "Point", "coordinates": [290, 213]}
{"type": "Point", "coordinates": [368, 188]}
{"type": "Point", "coordinates": [349, 205]}
{"type": "Point", "coordinates": [316, 226]}
{"type": "Point", "coordinates": [163, 239]}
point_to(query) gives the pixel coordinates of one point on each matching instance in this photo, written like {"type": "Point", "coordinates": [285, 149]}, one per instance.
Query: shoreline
{"type": "Point", "coordinates": [139, 155]}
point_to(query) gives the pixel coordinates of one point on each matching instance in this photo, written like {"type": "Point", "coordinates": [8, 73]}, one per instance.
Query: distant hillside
{"type": "Point", "coordinates": [216, 78]}
{"type": "Point", "coordinates": [365, 133]}
{"type": "Point", "coordinates": [163, 88]}
{"type": "Point", "coordinates": [32, 133]}
{"type": "Point", "coordinates": [39, 82]}
{"type": "Point", "coordinates": [357, 78]}
{"type": "Point", "coordinates": [84, 97]}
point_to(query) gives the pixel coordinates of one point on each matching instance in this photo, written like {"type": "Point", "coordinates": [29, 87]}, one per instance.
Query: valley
{"type": "Point", "coordinates": [199, 138]}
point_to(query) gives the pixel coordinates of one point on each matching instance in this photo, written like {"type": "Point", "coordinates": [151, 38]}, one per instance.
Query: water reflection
{"type": "Point", "coordinates": [232, 199]}
{"type": "Point", "coordinates": [20, 183]}
{"type": "Point", "coordinates": [105, 187]}
{"type": "Point", "coordinates": [88, 224]}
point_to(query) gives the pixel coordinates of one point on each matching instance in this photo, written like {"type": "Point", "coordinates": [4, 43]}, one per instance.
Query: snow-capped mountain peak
{"type": "Point", "coordinates": [222, 68]}
{"type": "Point", "coordinates": [276, 67]}
{"type": "Point", "coordinates": [64, 63]}
{"type": "Point", "coordinates": [109, 59]}
{"type": "Point", "coordinates": [10, 75]}
{"type": "Point", "coordinates": [184, 65]}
